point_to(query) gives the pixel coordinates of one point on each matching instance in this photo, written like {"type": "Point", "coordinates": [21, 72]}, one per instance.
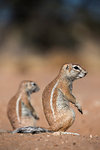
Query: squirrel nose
{"type": "Point", "coordinates": [85, 73]}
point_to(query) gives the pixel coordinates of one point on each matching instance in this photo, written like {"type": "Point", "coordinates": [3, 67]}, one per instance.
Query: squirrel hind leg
{"type": "Point", "coordinates": [71, 133]}
{"type": "Point", "coordinates": [62, 133]}
{"type": "Point", "coordinates": [30, 129]}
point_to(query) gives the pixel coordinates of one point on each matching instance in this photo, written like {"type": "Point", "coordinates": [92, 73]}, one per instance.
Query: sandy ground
{"type": "Point", "coordinates": [87, 91]}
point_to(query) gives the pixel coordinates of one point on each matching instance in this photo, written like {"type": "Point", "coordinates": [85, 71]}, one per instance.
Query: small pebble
{"type": "Point", "coordinates": [74, 143]}
{"type": "Point", "coordinates": [56, 133]}
{"type": "Point", "coordinates": [21, 134]}
{"type": "Point", "coordinates": [46, 140]}
{"type": "Point", "coordinates": [96, 136]}
{"type": "Point", "coordinates": [66, 141]}
{"type": "Point", "coordinates": [62, 142]}
{"type": "Point", "coordinates": [91, 136]}
{"type": "Point", "coordinates": [36, 148]}
{"type": "Point", "coordinates": [56, 145]}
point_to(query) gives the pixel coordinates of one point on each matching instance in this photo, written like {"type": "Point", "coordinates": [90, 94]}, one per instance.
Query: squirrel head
{"type": "Point", "coordinates": [29, 87]}
{"type": "Point", "coordinates": [72, 72]}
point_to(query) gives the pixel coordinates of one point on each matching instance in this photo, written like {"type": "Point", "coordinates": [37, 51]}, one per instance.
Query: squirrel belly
{"type": "Point", "coordinates": [58, 112]}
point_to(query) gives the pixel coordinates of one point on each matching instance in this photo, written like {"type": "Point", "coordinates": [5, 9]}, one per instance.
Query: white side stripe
{"type": "Point", "coordinates": [52, 92]}
{"type": "Point", "coordinates": [17, 107]}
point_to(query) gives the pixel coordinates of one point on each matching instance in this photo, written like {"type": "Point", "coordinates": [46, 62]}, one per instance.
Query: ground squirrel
{"type": "Point", "coordinates": [20, 112]}
{"type": "Point", "coordinates": [56, 100]}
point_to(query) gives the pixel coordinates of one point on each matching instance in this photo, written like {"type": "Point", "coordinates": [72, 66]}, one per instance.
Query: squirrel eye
{"type": "Point", "coordinates": [76, 68]}
{"type": "Point", "coordinates": [34, 84]}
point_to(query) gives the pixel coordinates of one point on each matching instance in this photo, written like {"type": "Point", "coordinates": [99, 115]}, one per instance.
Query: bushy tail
{"type": "Point", "coordinates": [30, 129]}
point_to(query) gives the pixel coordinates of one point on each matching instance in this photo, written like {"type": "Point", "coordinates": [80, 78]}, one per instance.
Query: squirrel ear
{"type": "Point", "coordinates": [67, 67]}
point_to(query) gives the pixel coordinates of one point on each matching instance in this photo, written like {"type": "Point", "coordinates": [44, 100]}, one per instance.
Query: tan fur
{"type": "Point", "coordinates": [25, 89]}
{"type": "Point", "coordinates": [58, 94]}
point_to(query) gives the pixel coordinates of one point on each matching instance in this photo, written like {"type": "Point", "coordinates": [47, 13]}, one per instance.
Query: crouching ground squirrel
{"type": "Point", "coordinates": [56, 100]}
{"type": "Point", "coordinates": [20, 111]}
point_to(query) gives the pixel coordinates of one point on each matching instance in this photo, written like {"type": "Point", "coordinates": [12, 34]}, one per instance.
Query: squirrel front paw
{"type": "Point", "coordinates": [35, 116]}
{"type": "Point", "coordinates": [79, 107]}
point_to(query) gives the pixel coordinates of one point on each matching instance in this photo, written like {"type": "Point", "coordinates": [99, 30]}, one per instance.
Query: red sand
{"type": "Point", "coordinates": [87, 91]}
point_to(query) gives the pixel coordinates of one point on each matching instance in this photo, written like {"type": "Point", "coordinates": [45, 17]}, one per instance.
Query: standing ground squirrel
{"type": "Point", "coordinates": [56, 97]}
{"type": "Point", "coordinates": [20, 111]}
{"type": "Point", "coordinates": [58, 94]}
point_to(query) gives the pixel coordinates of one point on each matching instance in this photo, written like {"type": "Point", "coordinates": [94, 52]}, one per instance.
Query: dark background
{"type": "Point", "coordinates": [62, 30]}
